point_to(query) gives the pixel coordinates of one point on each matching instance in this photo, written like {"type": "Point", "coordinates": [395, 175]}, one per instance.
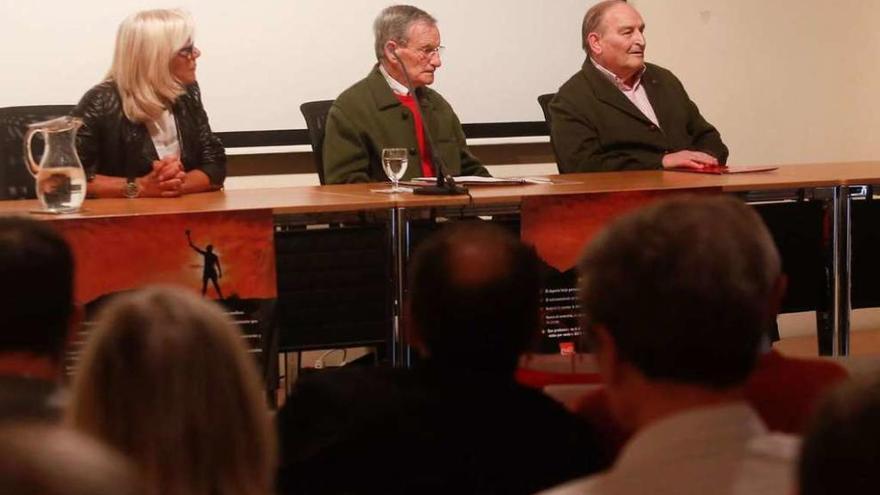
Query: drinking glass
{"type": "Point", "coordinates": [394, 161]}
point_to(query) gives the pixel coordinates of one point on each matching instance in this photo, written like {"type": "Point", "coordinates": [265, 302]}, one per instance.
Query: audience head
{"type": "Point", "coordinates": [166, 379]}
{"type": "Point", "coordinates": [153, 61]}
{"type": "Point", "coordinates": [841, 451]}
{"type": "Point", "coordinates": [683, 289]}
{"type": "Point", "coordinates": [612, 35]}
{"type": "Point", "coordinates": [475, 296]}
{"type": "Point", "coordinates": [49, 460]}
{"type": "Point", "coordinates": [36, 288]}
{"type": "Point", "coordinates": [407, 33]}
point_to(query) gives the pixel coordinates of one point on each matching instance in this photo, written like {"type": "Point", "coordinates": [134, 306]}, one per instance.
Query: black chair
{"type": "Point", "coordinates": [315, 113]}
{"type": "Point", "coordinates": [544, 101]}
{"type": "Point", "coordinates": [15, 180]}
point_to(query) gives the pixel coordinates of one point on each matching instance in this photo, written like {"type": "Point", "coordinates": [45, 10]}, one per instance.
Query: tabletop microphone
{"type": "Point", "coordinates": [445, 185]}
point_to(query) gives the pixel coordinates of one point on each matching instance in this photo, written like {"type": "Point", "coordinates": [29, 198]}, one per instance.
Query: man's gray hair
{"type": "Point", "coordinates": [394, 22]}
{"type": "Point", "coordinates": [593, 19]}
{"type": "Point", "coordinates": [686, 287]}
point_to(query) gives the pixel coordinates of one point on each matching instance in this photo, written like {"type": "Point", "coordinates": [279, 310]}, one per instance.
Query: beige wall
{"type": "Point", "coordinates": [785, 81]}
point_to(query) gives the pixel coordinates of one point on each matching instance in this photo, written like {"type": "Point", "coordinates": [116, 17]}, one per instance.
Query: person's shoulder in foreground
{"type": "Point", "coordinates": [724, 450]}
{"type": "Point", "coordinates": [841, 453]}
{"type": "Point", "coordinates": [458, 422]}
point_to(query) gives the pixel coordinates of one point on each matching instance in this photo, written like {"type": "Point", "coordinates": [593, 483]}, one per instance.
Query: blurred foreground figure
{"type": "Point", "coordinates": [49, 460]}
{"type": "Point", "coordinates": [166, 379]}
{"type": "Point", "coordinates": [677, 298]}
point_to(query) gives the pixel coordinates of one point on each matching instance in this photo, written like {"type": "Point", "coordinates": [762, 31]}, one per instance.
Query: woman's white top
{"type": "Point", "coordinates": [163, 132]}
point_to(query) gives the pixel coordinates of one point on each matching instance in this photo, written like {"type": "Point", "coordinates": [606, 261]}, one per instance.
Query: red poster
{"type": "Point", "coordinates": [560, 227]}
{"type": "Point", "coordinates": [114, 254]}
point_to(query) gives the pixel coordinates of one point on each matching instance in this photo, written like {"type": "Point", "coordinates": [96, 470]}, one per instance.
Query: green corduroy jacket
{"type": "Point", "coordinates": [367, 117]}
{"type": "Point", "coordinates": [596, 128]}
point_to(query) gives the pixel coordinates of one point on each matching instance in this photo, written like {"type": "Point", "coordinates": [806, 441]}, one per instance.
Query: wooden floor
{"type": "Point", "coordinates": [798, 332]}
{"type": "Point", "coordinates": [862, 343]}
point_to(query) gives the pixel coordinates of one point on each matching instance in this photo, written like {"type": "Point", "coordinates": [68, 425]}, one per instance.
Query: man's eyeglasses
{"type": "Point", "coordinates": [428, 52]}
{"type": "Point", "coordinates": [188, 52]}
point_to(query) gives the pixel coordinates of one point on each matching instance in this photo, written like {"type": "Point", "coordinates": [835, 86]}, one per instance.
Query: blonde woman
{"type": "Point", "coordinates": [165, 378]}
{"type": "Point", "coordinates": [145, 132]}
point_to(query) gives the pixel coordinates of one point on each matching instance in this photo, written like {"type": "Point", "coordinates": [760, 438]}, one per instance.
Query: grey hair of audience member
{"type": "Point", "coordinates": [40, 459]}
{"type": "Point", "coordinates": [393, 24]}
{"type": "Point", "coordinates": [165, 378]}
{"type": "Point", "coordinates": [593, 19]}
{"type": "Point", "coordinates": [686, 288]}
{"type": "Point", "coordinates": [841, 450]}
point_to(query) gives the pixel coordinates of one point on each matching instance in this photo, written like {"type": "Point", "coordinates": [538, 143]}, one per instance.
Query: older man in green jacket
{"type": "Point", "coordinates": [619, 113]}
{"type": "Point", "coordinates": [379, 112]}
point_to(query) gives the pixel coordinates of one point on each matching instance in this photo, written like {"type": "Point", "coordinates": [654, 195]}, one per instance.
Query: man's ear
{"type": "Point", "coordinates": [412, 335]}
{"type": "Point", "coordinates": [607, 356]}
{"type": "Point", "coordinates": [390, 51]}
{"type": "Point", "coordinates": [593, 44]}
{"type": "Point", "coordinates": [777, 293]}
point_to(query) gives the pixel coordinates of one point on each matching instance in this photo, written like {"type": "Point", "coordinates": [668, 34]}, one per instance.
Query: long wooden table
{"type": "Point", "coordinates": [836, 178]}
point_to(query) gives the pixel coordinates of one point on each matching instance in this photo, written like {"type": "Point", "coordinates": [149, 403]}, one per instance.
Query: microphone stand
{"type": "Point", "coordinates": [445, 185]}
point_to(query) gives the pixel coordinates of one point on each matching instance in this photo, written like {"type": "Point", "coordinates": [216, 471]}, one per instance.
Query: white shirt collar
{"type": "Point", "coordinates": [396, 86]}
{"type": "Point", "coordinates": [620, 83]}
{"type": "Point", "coordinates": [700, 430]}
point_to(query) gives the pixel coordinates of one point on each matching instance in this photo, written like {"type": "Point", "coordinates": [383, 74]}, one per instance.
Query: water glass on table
{"type": "Point", "coordinates": [394, 162]}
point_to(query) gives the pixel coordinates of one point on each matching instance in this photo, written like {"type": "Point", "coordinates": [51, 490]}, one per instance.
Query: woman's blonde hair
{"type": "Point", "coordinates": [165, 378]}
{"type": "Point", "coordinates": [146, 43]}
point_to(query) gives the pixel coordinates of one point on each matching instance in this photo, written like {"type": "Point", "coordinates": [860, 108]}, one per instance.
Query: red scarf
{"type": "Point", "coordinates": [424, 153]}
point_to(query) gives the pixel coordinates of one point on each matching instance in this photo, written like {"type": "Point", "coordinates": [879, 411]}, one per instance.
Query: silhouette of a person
{"type": "Point", "coordinates": [211, 261]}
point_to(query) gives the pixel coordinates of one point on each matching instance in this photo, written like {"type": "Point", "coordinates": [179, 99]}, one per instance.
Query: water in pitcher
{"type": "Point", "coordinates": [61, 189]}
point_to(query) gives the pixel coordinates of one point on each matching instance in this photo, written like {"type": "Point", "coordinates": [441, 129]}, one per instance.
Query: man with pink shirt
{"type": "Point", "coordinates": [620, 113]}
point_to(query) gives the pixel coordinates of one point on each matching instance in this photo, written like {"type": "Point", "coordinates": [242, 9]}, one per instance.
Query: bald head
{"type": "Point", "coordinates": [478, 260]}
{"type": "Point", "coordinates": [474, 295]}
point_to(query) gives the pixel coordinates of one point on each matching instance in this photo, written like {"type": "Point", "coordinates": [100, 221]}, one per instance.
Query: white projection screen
{"type": "Point", "coordinates": [262, 58]}
{"type": "Point", "coordinates": [785, 82]}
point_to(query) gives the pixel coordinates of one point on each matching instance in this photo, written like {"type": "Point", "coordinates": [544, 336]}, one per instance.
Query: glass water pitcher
{"type": "Point", "coordinates": [60, 178]}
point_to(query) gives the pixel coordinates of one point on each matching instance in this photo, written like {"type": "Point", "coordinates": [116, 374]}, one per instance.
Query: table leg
{"type": "Point", "coordinates": [400, 351]}
{"type": "Point", "coordinates": [842, 255]}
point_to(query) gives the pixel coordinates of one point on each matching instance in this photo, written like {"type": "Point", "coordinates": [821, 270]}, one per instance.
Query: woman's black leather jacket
{"type": "Point", "coordinates": [110, 144]}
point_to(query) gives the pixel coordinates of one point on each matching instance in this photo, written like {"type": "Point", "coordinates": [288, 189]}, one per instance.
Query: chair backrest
{"type": "Point", "coordinates": [315, 113]}
{"type": "Point", "coordinates": [15, 181]}
{"type": "Point", "coordinates": [544, 101]}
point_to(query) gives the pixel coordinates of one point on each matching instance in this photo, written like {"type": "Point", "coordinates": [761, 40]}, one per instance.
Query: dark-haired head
{"type": "Point", "coordinates": [474, 296]}
{"type": "Point", "coordinates": [36, 287]}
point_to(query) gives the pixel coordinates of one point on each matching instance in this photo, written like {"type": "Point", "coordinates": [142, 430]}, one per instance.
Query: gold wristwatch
{"type": "Point", "coordinates": [131, 190]}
